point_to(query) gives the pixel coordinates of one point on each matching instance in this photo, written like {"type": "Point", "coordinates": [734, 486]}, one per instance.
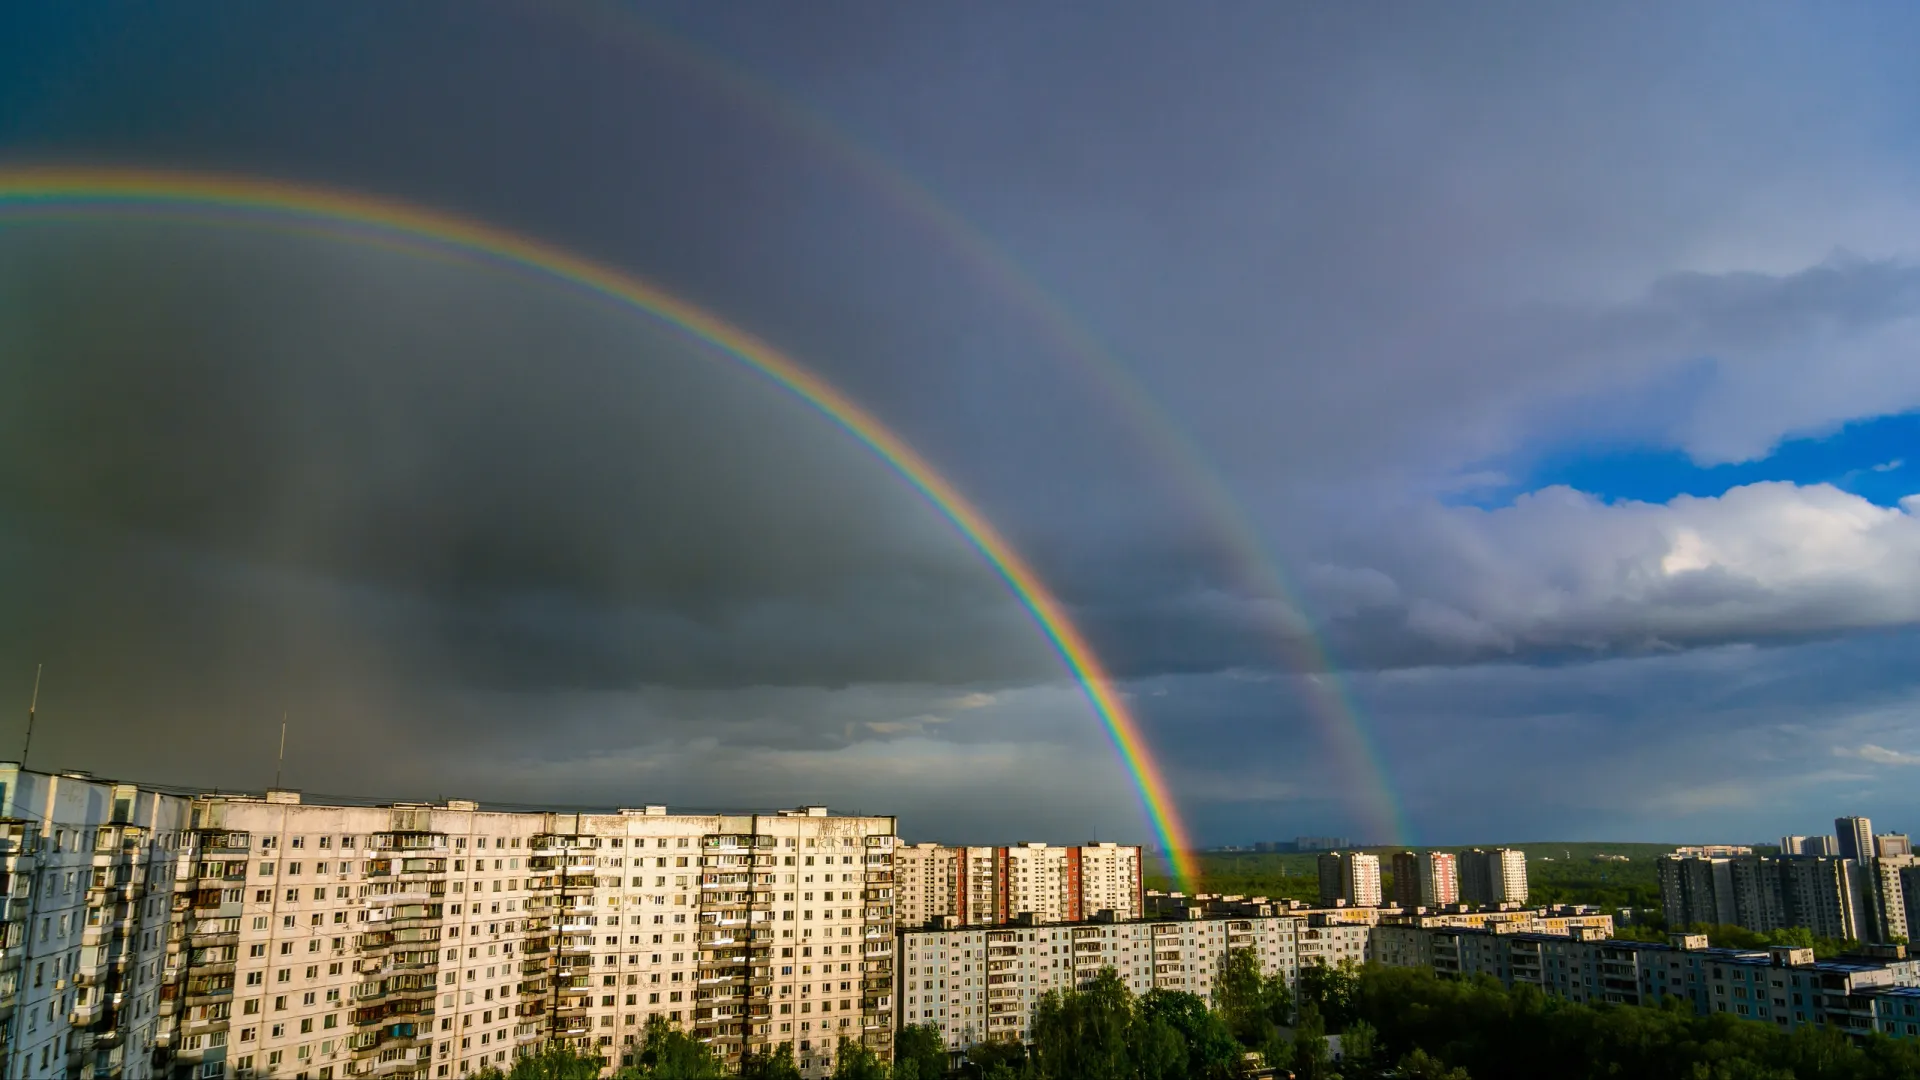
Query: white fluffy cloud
{"type": "Point", "coordinates": [1879, 755]}
{"type": "Point", "coordinates": [1561, 569]}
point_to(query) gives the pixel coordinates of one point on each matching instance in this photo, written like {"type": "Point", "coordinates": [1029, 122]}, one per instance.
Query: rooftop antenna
{"type": "Point", "coordinates": [279, 764]}
{"type": "Point", "coordinates": [33, 705]}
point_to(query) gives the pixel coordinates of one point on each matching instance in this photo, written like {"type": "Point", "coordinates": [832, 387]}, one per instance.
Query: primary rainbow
{"type": "Point", "coordinates": [62, 191]}
{"type": "Point", "coordinates": [1329, 697]}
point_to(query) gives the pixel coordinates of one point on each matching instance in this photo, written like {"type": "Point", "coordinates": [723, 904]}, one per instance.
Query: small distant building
{"type": "Point", "coordinates": [1712, 851]}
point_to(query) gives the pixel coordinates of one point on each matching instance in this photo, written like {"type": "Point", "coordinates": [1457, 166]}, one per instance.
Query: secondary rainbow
{"type": "Point", "coordinates": [60, 191]}
{"type": "Point", "coordinates": [1325, 689]}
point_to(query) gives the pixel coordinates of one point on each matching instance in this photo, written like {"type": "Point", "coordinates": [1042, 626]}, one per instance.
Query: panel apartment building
{"type": "Point", "coordinates": [1873, 899]}
{"type": "Point", "coordinates": [235, 936]}
{"type": "Point", "coordinates": [1786, 987]}
{"type": "Point", "coordinates": [979, 983]}
{"type": "Point", "coordinates": [1493, 876]}
{"type": "Point", "coordinates": [1429, 879]}
{"type": "Point", "coordinates": [89, 967]}
{"type": "Point", "coordinates": [988, 886]}
{"type": "Point", "coordinates": [1349, 877]}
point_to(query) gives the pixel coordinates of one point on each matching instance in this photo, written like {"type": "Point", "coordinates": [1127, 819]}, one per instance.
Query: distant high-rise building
{"type": "Point", "coordinates": [988, 886]}
{"type": "Point", "coordinates": [1319, 843]}
{"type": "Point", "coordinates": [1349, 877]}
{"type": "Point", "coordinates": [1890, 845]}
{"type": "Point", "coordinates": [1821, 893]}
{"type": "Point", "coordinates": [1809, 845]}
{"type": "Point", "coordinates": [1881, 900]}
{"type": "Point", "coordinates": [1497, 876]}
{"type": "Point", "coordinates": [1696, 891]}
{"type": "Point", "coordinates": [1856, 837]}
{"type": "Point", "coordinates": [1429, 879]}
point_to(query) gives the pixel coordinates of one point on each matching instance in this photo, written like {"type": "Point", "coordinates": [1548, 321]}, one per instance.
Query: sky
{"type": "Point", "coordinates": [1450, 425]}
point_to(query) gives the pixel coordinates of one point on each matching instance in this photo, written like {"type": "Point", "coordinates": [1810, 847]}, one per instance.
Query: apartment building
{"type": "Point", "coordinates": [1559, 920]}
{"type": "Point", "coordinates": [1832, 896]}
{"type": "Point", "coordinates": [1496, 876]}
{"type": "Point", "coordinates": [1427, 879]}
{"type": "Point", "coordinates": [1856, 837]}
{"type": "Point", "coordinates": [1786, 987]}
{"type": "Point", "coordinates": [980, 983]}
{"type": "Point", "coordinates": [239, 936]}
{"type": "Point", "coordinates": [1349, 877]}
{"type": "Point", "coordinates": [1809, 845]}
{"type": "Point", "coordinates": [987, 886]}
{"type": "Point", "coordinates": [88, 972]}
{"type": "Point", "coordinates": [1892, 845]}
{"type": "Point", "coordinates": [419, 940]}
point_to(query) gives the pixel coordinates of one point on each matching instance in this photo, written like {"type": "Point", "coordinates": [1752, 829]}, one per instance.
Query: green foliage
{"type": "Point", "coordinates": [986, 1059]}
{"type": "Point", "coordinates": [775, 1064]}
{"type": "Point", "coordinates": [857, 1061]}
{"type": "Point", "coordinates": [919, 1054]}
{"type": "Point", "coordinates": [1495, 1033]}
{"type": "Point", "coordinates": [1207, 1046]}
{"type": "Point", "coordinates": [553, 1061]}
{"type": "Point", "coordinates": [671, 1054]}
{"type": "Point", "coordinates": [1329, 990]}
{"type": "Point", "coordinates": [1573, 876]}
{"type": "Point", "coordinates": [1359, 1050]}
{"type": "Point", "coordinates": [1082, 1034]}
{"type": "Point", "coordinates": [1254, 1007]}
{"type": "Point", "coordinates": [1308, 1054]}
{"type": "Point", "coordinates": [1418, 1065]}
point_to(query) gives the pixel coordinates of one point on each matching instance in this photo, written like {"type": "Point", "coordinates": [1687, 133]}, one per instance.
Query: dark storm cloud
{"type": "Point", "coordinates": [554, 492]}
{"type": "Point", "coordinates": [1354, 254]}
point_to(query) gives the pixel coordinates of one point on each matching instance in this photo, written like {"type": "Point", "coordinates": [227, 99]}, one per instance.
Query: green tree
{"type": "Point", "coordinates": [1159, 1051]}
{"type": "Point", "coordinates": [1359, 1050]}
{"type": "Point", "coordinates": [857, 1061]}
{"type": "Point", "coordinates": [1308, 1054]}
{"type": "Point", "coordinates": [1211, 1050]}
{"type": "Point", "coordinates": [1419, 1066]}
{"type": "Point", "coordinates": [1082, 1034]}
{"type": "Point", "coordinates": [772, 1064]}
{"type": "Point", "coordinates": [552, 1061]}
{"type": "Point", "coordinates": [984, 1058]}
{"type": "Point", "coordinates": [671, 1054]}
{"type": "Point", "coordinates": [1329, 990]}
{"type": "Point", "coordinates": [919, 1053]}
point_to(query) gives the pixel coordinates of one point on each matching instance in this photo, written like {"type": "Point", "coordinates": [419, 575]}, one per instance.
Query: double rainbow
{"type": "Point", "coordinates": [54, 192]}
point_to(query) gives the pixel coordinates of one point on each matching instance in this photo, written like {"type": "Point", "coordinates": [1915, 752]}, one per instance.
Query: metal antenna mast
{"type": "Point", "coordinates": [281, 762]}
{"type": "Point", "coordinates": [33, 705]}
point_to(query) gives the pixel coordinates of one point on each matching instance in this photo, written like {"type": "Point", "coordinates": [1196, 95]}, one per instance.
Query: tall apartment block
{"type": "Point", "coordinates": [1809, 845]}
{"type": "Point", "coordinates": [90, 964]}
{"type": "Point", "coordinates": [234, 936]}
{"type": "Point", "coordinates": [1429, 879]}
{"type": "Point", "coordinates": [1349, 877]}
{"type": "Point", "coordinates": [1856, 837]}
{"type": "Point", "coordinates": [1496, 876]}
{"type": "Point", "coordinates": [987, 886]}
{"type": "Point", "coordinates": [1832, 896]}
{"type": "Point", "coordinates": [1892, 845]}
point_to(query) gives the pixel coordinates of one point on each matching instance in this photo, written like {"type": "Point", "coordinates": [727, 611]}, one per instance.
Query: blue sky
{"type": "Point", "coordinates": [1867, 457]}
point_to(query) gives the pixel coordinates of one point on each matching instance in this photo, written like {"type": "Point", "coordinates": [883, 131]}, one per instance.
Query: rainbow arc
{"type": "Point", "coordinates": [27, 193]}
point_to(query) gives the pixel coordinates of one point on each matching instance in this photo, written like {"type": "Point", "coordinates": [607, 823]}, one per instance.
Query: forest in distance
{"type": "Point", "coordinates": [1557, 873]}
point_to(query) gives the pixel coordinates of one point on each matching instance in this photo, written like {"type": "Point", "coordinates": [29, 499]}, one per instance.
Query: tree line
{"type": "Point", "coordinates": [1393, 1023]}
